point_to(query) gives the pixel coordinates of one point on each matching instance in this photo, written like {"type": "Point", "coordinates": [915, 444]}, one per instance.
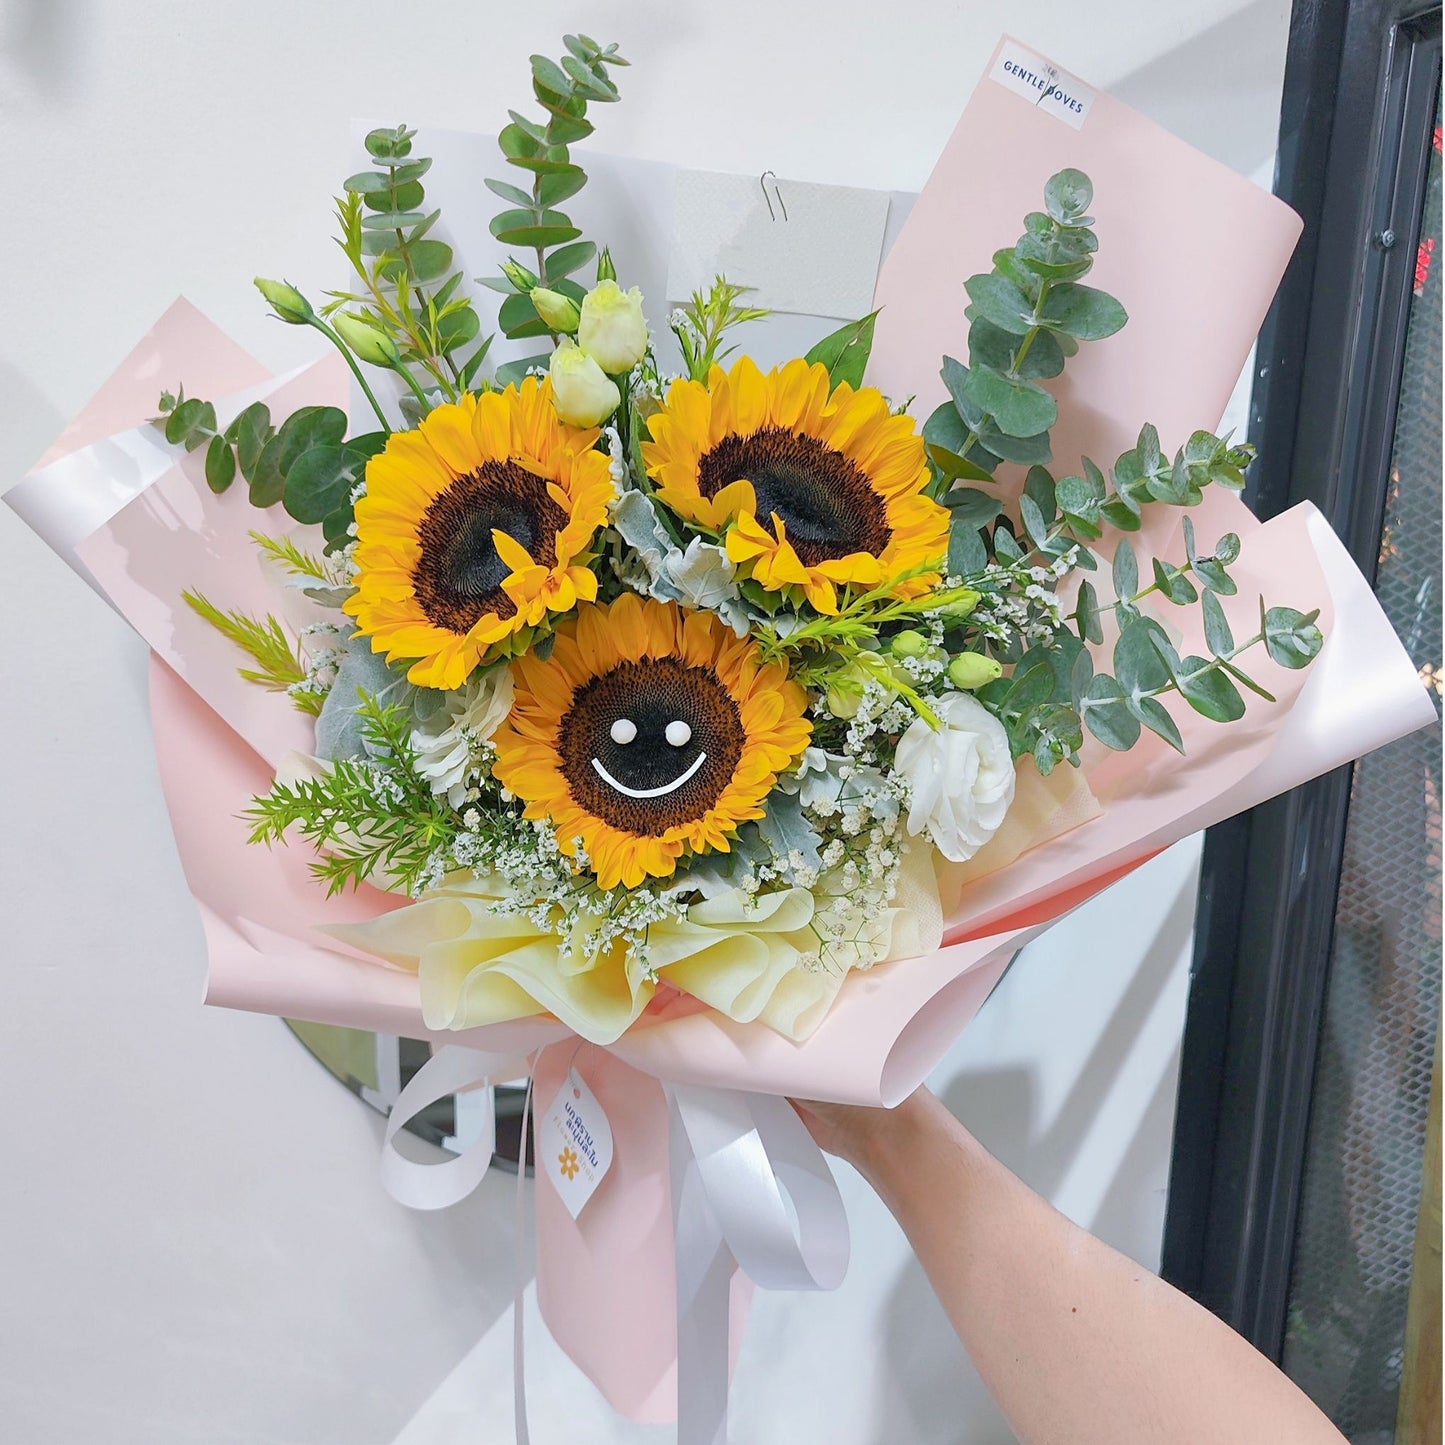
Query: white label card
{"type": "Point", "coordinates": [574, 1143]}
{"type": "Point", "coordinates": [803, 248]}
{"type": "Point", "coordinates": [1052, 90]}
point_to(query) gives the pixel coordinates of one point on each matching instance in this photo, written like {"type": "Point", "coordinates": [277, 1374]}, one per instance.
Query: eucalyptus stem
{"type": "Point", "coordinates": [1220, 663]}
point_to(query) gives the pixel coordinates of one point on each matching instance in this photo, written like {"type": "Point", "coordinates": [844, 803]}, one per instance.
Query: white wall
{"type": "Point", "coordinates": [193, 1245]}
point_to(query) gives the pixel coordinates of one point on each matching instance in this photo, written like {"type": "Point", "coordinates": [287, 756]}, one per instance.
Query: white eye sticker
{"type": "Point", "coordinates": [678, 733]}
{"type": "Point", "coordinates": [624, 730]}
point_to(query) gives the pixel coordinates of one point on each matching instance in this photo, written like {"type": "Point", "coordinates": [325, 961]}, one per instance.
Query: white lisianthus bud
{"type": "Point", "coordinates": [972, 669]}
{"type": "Point", "coordinates": [612, 330]}
{"type": "Point", "coordinates": [286, 301]}
{"type": "Point", "coordinates": [960, 775]}
{"type": "Point", "coordinates": [558, 311]}
{"type": "Point", "coordinates": [520, 277]}
{"type": "Point", "coordinates": [368, 343]}
{"type": "Point", "coordinates": [583, 393]}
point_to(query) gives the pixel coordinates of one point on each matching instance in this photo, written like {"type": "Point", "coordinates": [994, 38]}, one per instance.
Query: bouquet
{"type": "Point", "coordinates": [734, 721]}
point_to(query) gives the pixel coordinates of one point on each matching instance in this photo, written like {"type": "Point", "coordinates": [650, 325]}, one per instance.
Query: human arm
{"type": "Point", "coordinates": [1077, 1344]}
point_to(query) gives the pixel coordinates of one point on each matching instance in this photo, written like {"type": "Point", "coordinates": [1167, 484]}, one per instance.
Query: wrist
{"type": "Point", "coordinates": [897, 1138]}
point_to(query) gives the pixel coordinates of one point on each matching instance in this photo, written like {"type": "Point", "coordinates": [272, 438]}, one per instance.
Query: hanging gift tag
{"type": "Point", "coordinates": [799, 247]}
{"type": "Point", "coordinates": [574, 1143]}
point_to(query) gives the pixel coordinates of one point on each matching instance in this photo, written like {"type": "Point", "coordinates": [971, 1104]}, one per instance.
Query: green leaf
{"type": "Point", "coordinates": [1108, 717]}
{"type": "Point", "coordinates": [1083, 312]}
{"type": "Point", "coordinates": [308, 427]}
{"type": "Point", "coordinates": [1028, 451]}
{"type": "Point", "coordinates": [1005, 545]}
{"type": "Point", "coordinates": [1086, 613]}
{"type": "Point", "coordinates": [561, 185]}
{"type": "Point", "coordinates": [845, 351]}
{"type": "Point", "coordinates": [267, 482]}
{"type": "Point", "coordinates": [955, 378]}
{"type": "Point", "coordinates": [1018, 408]}
{"type": "Point", "coordinates": [516, 144]}
{"type": "Point", "coordinates": [564, 129]}
{"type": "Point", "coordinates": [1040, 486]}
{"type": "Point", "coordinates": [972, 508]}
{"type": "Point", "coordinates": [1243, 678]}
{"type": "Point", "coordinates": [1068, 195]}
{"type": "Point", "coordinates": [1217, 632]}
{"type": "Point", "coordinates": [1292, 638]}
{"type": "Point", "coordinates": [567, 259]}
{"type": "Point", "coordinates": [430, 259]}
{"type": "Point", "coordinates": [513, 372]}
{"type": "Point", "coordinates": [998, 300]}
{"type": "Point", "coordinates": [1148, 449]}
{"type": "Point", "coordinates": [967, 554]}
{"type": "Point", "coordinates": [456, 329]}
{"type": "Point", "coordinates": [1031, 688]}
{"type": "Point", "coordinates": [1126, 570]}
{"type": "Point", "coordinates": [320, 481]}
{"type": "Point", "coordinates": [1122, 513]}
{"type": "Point", "coordinates": [1152, 713]}
{"type": "Point", "coordinates": [1226, 550]}
{"type": "Point", "coordinates": [220, 464]}
{"type": "Point", "coordinates": [392, 220]}
{"type": "Point", "coordinates": [367, 183]}
{"type": "Point", "coordinates": [995, 347]}
{"type": "Point", "coordinates": [1033, 520]}
{"type": "Point", "coordinates": [508, 192]}
{"type": "Point", "coordinates": [1208, 691]}
{"type": "Point", "coordinates": [1213, 576]}
{"type": "Point", "coordinates": [252, 430]}
{"type": "Point", "coordinates": [191, 424]}
{"type": "Point", "coordinates": [1137, 663]}
{"type": "Point", "coordinates": [1175, 586]}
{"type": "Point", "coordinates": [550, 74]}
{"type": "Point", "coordinates": [955, 467]}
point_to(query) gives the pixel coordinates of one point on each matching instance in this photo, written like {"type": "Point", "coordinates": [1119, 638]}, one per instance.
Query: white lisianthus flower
{"type": "Point", "coordinates": [960, 775]}
{"type": "Point", "coordinates": [612, 330]}
{"type": "Point", "coordinates": [585, 396]}
{"type": "Point", "coordinates": [446, 749]}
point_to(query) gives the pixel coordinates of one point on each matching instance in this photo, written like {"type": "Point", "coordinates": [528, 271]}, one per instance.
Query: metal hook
{"type": "Point", "coordinates": [763, 184]}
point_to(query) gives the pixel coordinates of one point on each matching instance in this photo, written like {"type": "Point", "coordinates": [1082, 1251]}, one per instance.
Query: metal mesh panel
{"type": "Point", "coordinates": [1351, 1274]}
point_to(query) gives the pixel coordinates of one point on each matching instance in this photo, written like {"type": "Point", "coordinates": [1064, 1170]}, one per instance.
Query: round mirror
{"type": "Point", "coordinates": [377, 1067]}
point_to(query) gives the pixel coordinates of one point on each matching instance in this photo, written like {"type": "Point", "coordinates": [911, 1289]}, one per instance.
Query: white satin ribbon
{"type": "Point", "coordinates": [749, 1186]}
{"type": "Point", "coordinates": [734, 1158]}
{"type": "Point", "coordinates": [455, 1070]}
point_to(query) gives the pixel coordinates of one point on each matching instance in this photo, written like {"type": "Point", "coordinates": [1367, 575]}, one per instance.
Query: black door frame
{"type": "Point", "coordinates": [1355, 129]}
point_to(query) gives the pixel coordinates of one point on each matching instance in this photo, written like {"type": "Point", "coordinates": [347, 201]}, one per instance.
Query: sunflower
{"type": "Point", "coordinates": [815, 488]}
{"type": "Point", "coordinates": [648, 731]}
{"type": "Point", "coordinates": [474, 526]}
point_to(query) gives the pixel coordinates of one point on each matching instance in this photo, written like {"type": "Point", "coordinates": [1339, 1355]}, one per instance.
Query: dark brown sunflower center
{"type": "Point", "coordinates": [458, 577]}
{"type": "Point", "coordinates": [651, 745]}
{"type": "Point", "coordinates": [828, 506]}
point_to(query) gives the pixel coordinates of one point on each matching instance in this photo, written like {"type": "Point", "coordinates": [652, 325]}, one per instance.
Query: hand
{"type": "Point", "coordinates": [855, 1132]}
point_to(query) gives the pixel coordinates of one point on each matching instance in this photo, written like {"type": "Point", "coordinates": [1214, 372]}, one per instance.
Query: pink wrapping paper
{"type": "Point", "coordinates": [1193, 315]}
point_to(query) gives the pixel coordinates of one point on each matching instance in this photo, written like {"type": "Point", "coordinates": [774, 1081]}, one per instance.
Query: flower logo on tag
{"type": "Point", "coordinates": [569, 1163]}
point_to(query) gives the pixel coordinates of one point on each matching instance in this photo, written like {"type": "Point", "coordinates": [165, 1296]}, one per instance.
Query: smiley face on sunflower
{"type": "Point", "coordinates": [648, 732]}
{"type": "Point", "coordinates": [815, 487]}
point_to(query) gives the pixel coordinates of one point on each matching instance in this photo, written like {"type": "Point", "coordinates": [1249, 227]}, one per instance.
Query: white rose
{"type": "Point", "coordinates": [961, 775]}
{"type": "Point", "coordinates": [446, 750]}
{"type": "Point", "coordinates": [612, 330]}
{"type": "Point", "coordinates": [583, 393]}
